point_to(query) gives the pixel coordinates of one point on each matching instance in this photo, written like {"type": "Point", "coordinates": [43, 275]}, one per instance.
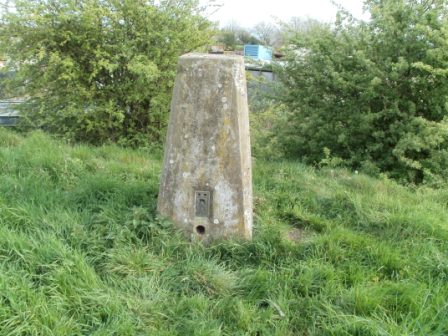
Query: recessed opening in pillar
{"type": "Point", "coordinates": [200, 229]}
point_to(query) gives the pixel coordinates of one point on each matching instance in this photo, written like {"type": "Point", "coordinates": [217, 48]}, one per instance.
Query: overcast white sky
{"type": "Point", "coordinates": [249, 12]}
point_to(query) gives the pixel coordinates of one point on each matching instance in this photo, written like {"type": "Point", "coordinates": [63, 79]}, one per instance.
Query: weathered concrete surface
{"type": "Point", "coordinates": [206, 183]}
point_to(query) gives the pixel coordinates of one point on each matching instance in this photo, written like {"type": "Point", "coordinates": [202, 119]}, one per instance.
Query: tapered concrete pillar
{"type": "Point", "coordinates": [206, 183]}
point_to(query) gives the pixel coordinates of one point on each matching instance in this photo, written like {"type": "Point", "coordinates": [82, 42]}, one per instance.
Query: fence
{"type": "Point", "coordinates": [9, 116]}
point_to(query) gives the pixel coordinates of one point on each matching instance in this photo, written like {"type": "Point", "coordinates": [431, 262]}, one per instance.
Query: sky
{"type": "Point", "coordinates": [247, 13]}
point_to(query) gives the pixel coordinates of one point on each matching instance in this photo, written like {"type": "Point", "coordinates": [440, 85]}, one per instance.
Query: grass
{"type": "Point", "coordinates": [82, 251]}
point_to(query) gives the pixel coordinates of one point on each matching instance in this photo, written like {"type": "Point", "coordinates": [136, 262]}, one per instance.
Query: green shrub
{"type": "Point", "coordinates": [99, 71]}
{"type": "Point", "coordinates": [265, 114]}
{"type": "Point", "coordinates": [374, 93]}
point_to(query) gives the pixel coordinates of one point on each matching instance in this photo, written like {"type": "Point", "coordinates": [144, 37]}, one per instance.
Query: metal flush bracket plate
{"type": "Point", "coordinates": [202, 203]}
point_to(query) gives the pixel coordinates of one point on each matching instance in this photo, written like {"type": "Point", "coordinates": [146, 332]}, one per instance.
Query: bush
{"type": "Point", "coordinates": [100, 71]}
{"type": "Point", "coordinates": [374, 93]}
{"type": "Point", "coordinates": [264, 115]}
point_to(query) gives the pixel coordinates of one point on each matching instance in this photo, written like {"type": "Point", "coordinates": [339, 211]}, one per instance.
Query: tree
{"type": "Point", "coordinates": [5, 5]}
{"type": "Point", "coordinates": [245, 37]}
{"type": "Point", "coordinates": [228, 39]}
{"type": "Point", "coordinates": [265, 32]}
{"type": "Point", "coordinates": [297, 25]}
{"type": "Point", "coordinates": [372, 93]}
{"type": "Point", "coordinates": [234, 35]}
{"type": "Point", "coordinates": [100, 70]}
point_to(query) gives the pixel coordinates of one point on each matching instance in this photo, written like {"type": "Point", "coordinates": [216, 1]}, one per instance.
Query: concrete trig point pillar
{"type": "Point", "coordinates": [206, 184]}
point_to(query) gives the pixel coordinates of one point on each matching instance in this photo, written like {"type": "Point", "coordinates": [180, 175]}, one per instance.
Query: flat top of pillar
{"type": "Point", "coordinates": [211, 56]}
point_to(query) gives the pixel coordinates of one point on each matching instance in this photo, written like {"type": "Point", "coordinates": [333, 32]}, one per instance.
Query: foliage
{"type": "Point", "coordinates": [97, 70]}
{"type": "Point", "coordinates": [264, 115]}
{"type": "Point", "coordinates": [83, 253]}
{"type": "Point", "coordinates": [233, 37]}
{"type": "Point", "coordinates": [266, 32]}
{"type": "Point", "coordinates": [2, 84]}
{"type": "Point", "coordinates": [374, 93]}
{"type": "Point", "coordinates": [288, 29]}
{"type": "Point", "coordinates": [262, 134]}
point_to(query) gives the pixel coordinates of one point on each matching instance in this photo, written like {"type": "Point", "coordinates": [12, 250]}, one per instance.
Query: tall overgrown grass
{"type": "Point", "coordinates": [82, 251]}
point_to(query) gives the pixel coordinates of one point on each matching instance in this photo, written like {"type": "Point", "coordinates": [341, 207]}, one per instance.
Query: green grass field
{"type": "Point", "coordinates": [83, 253]}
